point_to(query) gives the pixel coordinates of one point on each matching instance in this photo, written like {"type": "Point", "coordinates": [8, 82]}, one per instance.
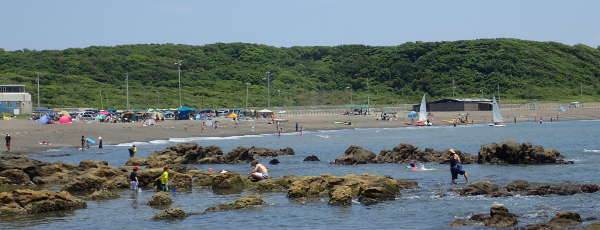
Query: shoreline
{"type": "Point", "coordinates": [27, 135]}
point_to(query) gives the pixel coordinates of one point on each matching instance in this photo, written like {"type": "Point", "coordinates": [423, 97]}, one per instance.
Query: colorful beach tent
{"type": "Point", "coordinates": [43, 120]}
{"type": "Point", "coordinates": [65, 119]}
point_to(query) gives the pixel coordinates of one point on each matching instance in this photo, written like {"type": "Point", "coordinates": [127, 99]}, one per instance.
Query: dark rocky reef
{"type": "Point", "coordinates": [402, 153]}
{"type": "Point", "coordinates": [521, 187]}
{"type": "Point", "coordinates": [25, 201]}
{"type": "Point", "coordinates": [498, 217]}
{"type": "Point", "coordinates": [518, 153]}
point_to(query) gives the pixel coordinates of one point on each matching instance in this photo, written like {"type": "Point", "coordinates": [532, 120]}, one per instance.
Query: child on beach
{"type": "Point", "coordinates": [133, 177]}
{"type": "Point", "coordinates": [164, 180]}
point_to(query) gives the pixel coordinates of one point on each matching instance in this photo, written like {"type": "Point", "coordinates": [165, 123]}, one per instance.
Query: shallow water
{"type": "Point", "coordinates": [430, 207]}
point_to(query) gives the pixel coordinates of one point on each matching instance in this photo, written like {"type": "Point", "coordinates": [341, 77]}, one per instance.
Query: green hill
{"type": "Point", "coordinates": [216, 75]}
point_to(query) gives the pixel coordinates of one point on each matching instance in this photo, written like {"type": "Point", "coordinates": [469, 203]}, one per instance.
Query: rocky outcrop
{"type": "Point", "coordinates": [25, 201]}
{"type": "Point", "coordinates": [274, 161]}
{"type": "Point", "coordinates": [136, 161]}
{"type": "Point", "coordinates": [356, 155]}
{"type": "Point", "coordinates": [402, 153]}
{"type": "Point", "coordinates": [171, 214]}
{"type": "Point", "coordinates": [16, 176]}
{"type": "Point", "coordinates": [521, 187]}
{"type": "Point", "coordinates": [368, 188]}
{"type": "Point", "coordinates": [499, 217]}
{"type": "Point", "coordinates": [516, 153]}
{"type": "Point", "coordinates": [160, 199]}
{"type": "Point", "coordinates": [192, 153]}
{"type": "Point", "coordinates": [243, 203]}
{"type": "Point", "coordinates": [340, 196]}
{"type": "Point", "coordinates": [103, 195]}
{"type": "Point", "coordinates": [562, 220]}
{"type": "Point", "coordinates": [311, 158]}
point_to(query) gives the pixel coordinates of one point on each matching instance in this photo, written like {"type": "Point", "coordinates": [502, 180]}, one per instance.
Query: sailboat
{"type": "Point", "coordinates": [422, 114]}
{"type": "Point", "coordinates": [496, 114]}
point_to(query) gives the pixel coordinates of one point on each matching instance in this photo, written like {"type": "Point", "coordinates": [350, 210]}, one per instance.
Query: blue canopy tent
{"type": "Point", "coordinates": [43, 120]}
{"type": "Point", "coordinates": [184, 113]}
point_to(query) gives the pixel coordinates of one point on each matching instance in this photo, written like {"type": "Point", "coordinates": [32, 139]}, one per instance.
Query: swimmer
{"type": "Point", "coordinates": [412, 165]}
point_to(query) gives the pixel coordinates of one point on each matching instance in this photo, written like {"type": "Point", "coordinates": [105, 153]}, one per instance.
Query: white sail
{"type": "Point", "coordinates": [423, 110]}
{"type": "Point", "coordinates": [497, 115]}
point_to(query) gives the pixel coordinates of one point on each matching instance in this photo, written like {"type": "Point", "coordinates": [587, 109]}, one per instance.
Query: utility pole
{"type": "Point", "coordinates": [581, 90]}
{"type": "Point", "coordinates": [247, 86]}
{"type": "Point", "coordinates": [453, 88]}
{"type": "Point", "coordinates": [368, 94]}
{"type": "Point", "coordinates": [101, 101]}
{"type": "Point", "coordinates": [482, 93]}
{"type": "Point", "coordinates": [127, 90]}
{"type": "Point", "coordinates": [268, 89]}
{"type": "Point", "coordinates": [178, 63]}
{"type": "Point", "coordinates": [38, 90]}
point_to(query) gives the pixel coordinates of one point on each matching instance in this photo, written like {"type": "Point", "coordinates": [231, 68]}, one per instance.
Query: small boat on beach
{"type": "Point", "coordinates": [496, 115]}
{"type": "Point", "coordinates": [423, 121]}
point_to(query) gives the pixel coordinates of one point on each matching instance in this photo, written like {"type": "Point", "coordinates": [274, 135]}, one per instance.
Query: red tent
{"type": "Point", "coordinates": [65, 120]}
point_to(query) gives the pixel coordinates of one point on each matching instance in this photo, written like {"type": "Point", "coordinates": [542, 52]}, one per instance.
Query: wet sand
{"type": "Point", "coordinates": [27, 135]}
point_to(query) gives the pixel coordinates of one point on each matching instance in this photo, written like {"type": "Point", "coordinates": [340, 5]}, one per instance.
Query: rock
{"type": "Point", "coordinates": [85, 183]}
{"type": "Point", "coordinates": [274, 161]}
{"type": "Point", "coordinates": [298, 189]}
{"type": "Point", "coordinates": [136, 161]}
{"type": "Point", "coordinates": [243, 203]}
{"type": "Point", "coordinates": [227, 183]}
{"type": "Point", "coordinates": [500, 217]}
{"type": "Point", "coordinates": [404, 153]}
{"type": "Point", "coordinates": [170, 214]}
{"type": "Point", "coordinates": [594, 226]}
{"type": "Point", "coordinates": [160, 199]}
{"type": "Point", "coordinates": [566, 219]}
{"type": "Point", "coordinates": [479, 188]}
{"type": "Point", "coordinates": [514, 153]}
{"type": "Point", "coordinates": [312, 158]}
{"type": "Point", "coordinates": [341, 196]}
{"type": "Point", "coordinates": [103, 195]}
{"type": "Point", "coordinates": [87, 164]}
{"type": "Point", "coordinates": [356, 155]}
{"type": "Point", "coordinates": [238, 155]}
{"type": "Point", "coordinates": [183, 182]}
{"type": "Point", "coordinates": [373, 195]}
{"type": "Point", "coordinates": [29, 166]}
{"type": "Point", "coordinates": [25, 201]}
{"type": "Point", "coordinates": [16, 176]}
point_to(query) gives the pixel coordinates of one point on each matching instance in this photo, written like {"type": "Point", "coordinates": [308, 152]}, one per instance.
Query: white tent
{"type": "Point", "coordinates": [265, 111]}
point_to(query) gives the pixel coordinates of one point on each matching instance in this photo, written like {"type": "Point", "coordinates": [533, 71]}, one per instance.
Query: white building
{"type": "Point", "coordinates": [14, 100]}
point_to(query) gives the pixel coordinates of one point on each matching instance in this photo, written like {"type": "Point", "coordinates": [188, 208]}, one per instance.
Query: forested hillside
{"type": "Point", "coordinates": [216, 75]}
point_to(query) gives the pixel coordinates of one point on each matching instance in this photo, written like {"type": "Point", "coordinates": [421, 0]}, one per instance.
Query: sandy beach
{"type": "Point", "coordinates": [27, 135]}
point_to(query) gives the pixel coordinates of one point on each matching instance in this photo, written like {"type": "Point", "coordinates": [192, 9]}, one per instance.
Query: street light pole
{"type": "Point", "coordinates": [38, 90]}
{"type": "Point", "coordinates": [127, 89]}
{"type": "Point", "coordinates": [368, 94]}
{"type": "Point", "coordinates": [178, 63]}
{"type": "Point", "coordinates": [351, 92]}
{"type": "Point", "coordinates": [247, 86]}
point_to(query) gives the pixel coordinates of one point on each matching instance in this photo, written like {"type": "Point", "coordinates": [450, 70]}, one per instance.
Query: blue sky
{"type": "Point", "coordinates": [59, 24]}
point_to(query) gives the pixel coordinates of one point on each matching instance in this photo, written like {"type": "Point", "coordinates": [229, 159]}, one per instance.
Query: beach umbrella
{"type": "Point", "coordinates": [412, 114]}
{"type": "Point", "coordinates": [232, 115]}
{"type": "Point", "coordinates": [65, 120]}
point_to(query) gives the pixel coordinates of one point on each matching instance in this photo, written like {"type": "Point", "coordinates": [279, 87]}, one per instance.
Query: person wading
{"type": "Point", "coordinates": [132, 151]}
{"type": "Point", "coordinates": [456, 167]}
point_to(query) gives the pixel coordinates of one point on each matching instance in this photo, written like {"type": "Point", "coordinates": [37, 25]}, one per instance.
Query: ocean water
{"type": "Point", "coordinates": [429, 207]}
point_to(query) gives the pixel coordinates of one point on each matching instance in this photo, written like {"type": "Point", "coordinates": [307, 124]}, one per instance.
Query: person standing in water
{"type": "Point", "coordinates": [100, 142]}
{"type": "Point", "coordinates": [7, 140]}
{"type": "Point", "coordinates": [133, 178]}
{"type": "Point", "coordinates": [164, 180]}
{"type": "Point", "coordinates": [82, 143]}
{"type": "Point", "coordinates": [456, 167]}
{"type": "Point", "coordinates": [132, 151]}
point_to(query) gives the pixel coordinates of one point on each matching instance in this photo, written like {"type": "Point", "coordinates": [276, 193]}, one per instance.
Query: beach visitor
{"type": "Point", "coordinates": [132, 151]}
{"type": "Point", "coordinates": [456, 167]}
{"type": "Point", "coordinates": [7, 140]}
{"type": "Point", "coordinates": [259, 172]}
{"type": "Point", "coordinates": [412, 165]}
{"type": "Point", "coordinates": [133, 178]}
{"type": "Point", "coordinates": [82, 143]}
{"type": "Point", "coordinates": [100, 142]}
{"type": "Point", "coordinates": [164, 180]}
